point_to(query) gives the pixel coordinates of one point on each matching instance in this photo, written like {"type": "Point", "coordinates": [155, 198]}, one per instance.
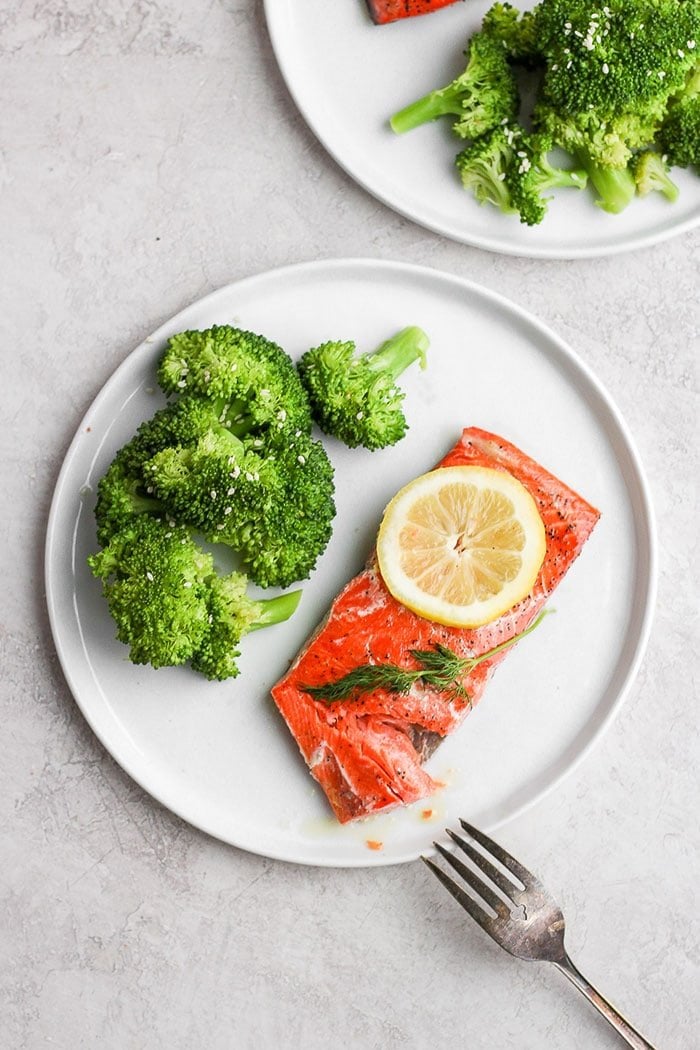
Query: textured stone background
{"type": "Point", "coordinates": [149, 153]}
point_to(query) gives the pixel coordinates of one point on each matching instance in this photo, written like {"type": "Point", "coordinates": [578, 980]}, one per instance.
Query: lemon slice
{"type": "Point", "coordinates": [461, 545]}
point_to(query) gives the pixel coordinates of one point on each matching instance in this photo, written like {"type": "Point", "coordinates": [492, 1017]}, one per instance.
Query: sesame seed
{"type": "Point", "coordinates": [219, 528]}
{"type": "Point", "coordinates": [264, 392]}
{"type": "Point", "coordinates": [213, 493]}
{"type": "Point", "coordinates": [606, 67]}
{"type": "Point", "coordinates": [501, 178]}
{"type": "Point", "coordinates": [149, 576]}
{"type": "Point", "coordinates": [187, 583]}
{"type": "Point", "coordinates": [230, 491]}
{"type": "Point", "coordinates": [301, 459]}
{"type": "Point", "coordinates": [227, 510]}
{"type": "Point", "coordinates": [182, 383]}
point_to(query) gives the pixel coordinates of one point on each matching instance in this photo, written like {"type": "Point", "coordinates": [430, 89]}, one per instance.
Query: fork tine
{"type": "Point", "coordinates": [473, 880]}
{"type": "Point", "coordinates": [510, 863]}
{"type": "Point", "coordinates": [462, 897]}
{"type": "Point", "coordinates": [497, 877]}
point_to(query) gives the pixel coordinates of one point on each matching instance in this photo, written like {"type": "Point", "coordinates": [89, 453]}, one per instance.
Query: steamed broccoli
{"type": "Point", "coordinates": [613, 81]}
{"type": "Point", "coordinates": [516, 31]}
{"type": "Point", "coordinates": [532, 174]}
{"type": "Point", "coordinates": [511, 170]}
{"type": "Point", "coordinates": [270, 499]}
{"type": "Point", "coordinates": [124, 490]}
{"type": "Point", "coordinates": [233, 614]}
{"type": "Point", "coordinates": [481, 97]}
{"type": "Point", "coordinates": [650, 173]}
{"type": "Point", "coordinates": [121, 495]}
{"type": "Point", "coordinates": [484, 165]}
{"type": "Point", "coordinates": [679, 137]}
{"type": "Point", "coordinates": [610, 73]}
{"type": "Point", "coordinates": [355, 397]}
{"type": "Point", "coordinates": [169, 604]}
{"type": "Point", "coordinates": [249, 372]}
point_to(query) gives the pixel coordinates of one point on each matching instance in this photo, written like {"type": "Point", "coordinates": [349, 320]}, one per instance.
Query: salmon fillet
{"type": "Point", "coordinates": [367, 754]}
{"type": "Point", "coordinates": [383, 11]}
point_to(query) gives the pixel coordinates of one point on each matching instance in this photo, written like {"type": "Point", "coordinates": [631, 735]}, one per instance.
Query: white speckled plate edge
{"type": "Point", "coordinates": [313, 839]}
{"type": "Point", "coordinates": [321, 48]}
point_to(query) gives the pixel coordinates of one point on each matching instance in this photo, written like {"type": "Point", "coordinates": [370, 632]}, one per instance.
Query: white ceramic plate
{"type": "Point", "coordinates": [218, 754]}
{"type": "Point", "coordinates": [348, 76]}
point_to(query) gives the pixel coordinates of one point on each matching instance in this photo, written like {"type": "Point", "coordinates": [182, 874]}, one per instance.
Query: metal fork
{"type": "Point", "coordinates": [528, 923]}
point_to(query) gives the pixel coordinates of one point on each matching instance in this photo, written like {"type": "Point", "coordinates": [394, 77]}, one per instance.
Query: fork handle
{"type": "Point", "coordinates": [611, 1015]}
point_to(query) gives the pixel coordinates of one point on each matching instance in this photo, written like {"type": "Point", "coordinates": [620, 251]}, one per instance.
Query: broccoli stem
{"type": "Point", "coordinates": [616, 186]}
{"type": "Point", "coordinates": [395, 355]}
{"type": "Point", "coordinates": [276, 610]}
{"type": "Point", "coordinates": [433, 105]}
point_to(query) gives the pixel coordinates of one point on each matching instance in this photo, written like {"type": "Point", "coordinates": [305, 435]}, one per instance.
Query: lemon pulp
{"type": "Point", "coordinates": [461, 545]}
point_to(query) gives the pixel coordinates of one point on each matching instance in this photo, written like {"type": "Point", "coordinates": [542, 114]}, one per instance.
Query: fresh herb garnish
{"type": "Point", "coordinates": [439, 667]}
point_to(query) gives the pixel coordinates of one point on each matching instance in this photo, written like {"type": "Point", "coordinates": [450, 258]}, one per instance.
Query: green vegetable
{"type": "Point", "coordinates": [169, 604]}
{"type": "Point", "coordinates": [439, 668]}
{"type": "Point", "coordinates": [613, 81]}
{"type": "Point", "coordinates": [269, 498]}
{"type": "Point", "coordinates": [679, 137]}
{"type": "Point", "coordinates": [650, 173]}
{"type": "Point", "coordinates": [511, 169]}
{"type": "Point", "coordinates": [481, 97]}
{"type": "Point", "coordinates": [255, 376]}
{"type": "Point", "coordinates": [355, 397]}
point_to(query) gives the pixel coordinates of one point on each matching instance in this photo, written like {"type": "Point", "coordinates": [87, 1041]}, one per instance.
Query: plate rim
{"type": "Point", "coordinates": [358, 265]}
{"type": "Point", "coordinates": [495, 245]}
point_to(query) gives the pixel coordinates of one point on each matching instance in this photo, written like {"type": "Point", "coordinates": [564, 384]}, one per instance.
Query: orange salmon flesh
{"type": "Point", "coordinates": [367, 754]}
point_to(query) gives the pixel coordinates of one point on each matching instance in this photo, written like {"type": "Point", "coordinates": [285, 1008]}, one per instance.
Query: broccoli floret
{"type": "Point", "coordinates": [626, 57]}
{"type": "Point", "coordinates": [270, 499]}
{"type": "Point", "coordinates": [241, 368]}
{"type": "Point", "coordinates": [610, 72]}
{"type": "Point", "coordinates": [484, 95]}
{"type": "Point", "coordinates": [484, 166]}
{"type": "Point", "coordinates": [122, 495]}
{"type": "Point", "coordinates": [602, 150]}
{"type": "Point", "coordinates": [155, 582]}
{"type": "Point", "coordinates": [354, 397]}
{"type": "Point", "coordinates": [233, 614]}
{"type": "Point", "coordinates": [511, 170]}
{"type": "Point", "coordinates": [516, 31]}
{"type": "Point", "coordinates": [170, 606]}
{"type": "Point", "coordinates": [124, 490]}
{"type": "Point", "coordinates": [531, 174]}
{"type": "Point", "coordinates": [679, 136]}
{"type": "Point", "coordinates": [650, 173]}
{"type": "Point", "coordinates": [285, 544]}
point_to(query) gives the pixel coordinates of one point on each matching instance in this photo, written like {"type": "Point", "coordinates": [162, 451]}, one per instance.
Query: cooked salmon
{"type": "Point", "coordinates": [383, 11]}
{"type": "Point", "coordinates": [368, 753]}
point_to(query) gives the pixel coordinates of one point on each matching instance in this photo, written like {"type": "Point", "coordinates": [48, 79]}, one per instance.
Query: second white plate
{"type": "Point", "coordinates": [219, 754]}
{"type": "Point", "coordinates": [348, 76]}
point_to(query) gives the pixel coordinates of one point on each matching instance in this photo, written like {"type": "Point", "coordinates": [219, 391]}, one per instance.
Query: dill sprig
{"type": "Point", "coordinates": [439, 667]}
